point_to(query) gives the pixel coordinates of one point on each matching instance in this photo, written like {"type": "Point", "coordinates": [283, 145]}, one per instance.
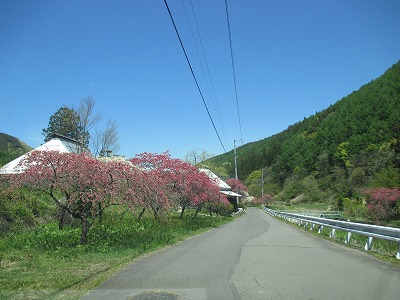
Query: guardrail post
{"type": "Point", "coordinates": [321, 227]}
{"type": "Point", "coordinates": [312, 226]}
{"type": "Point", "coordinates": [398, 252]}
{"type": "Point", "coordinates": [347, 239]}
{"type": "Point", "coordinates": [368, 244]}
{"type": "Point", "coordinates": [332, 235]}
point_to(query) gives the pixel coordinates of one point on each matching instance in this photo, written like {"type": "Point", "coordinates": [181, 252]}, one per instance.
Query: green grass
{"type": "Point", "coordinates": [46, 263]}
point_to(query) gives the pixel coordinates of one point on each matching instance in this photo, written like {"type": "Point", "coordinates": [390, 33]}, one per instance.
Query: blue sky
{"type": "Point", "coordinates": [292, 59]}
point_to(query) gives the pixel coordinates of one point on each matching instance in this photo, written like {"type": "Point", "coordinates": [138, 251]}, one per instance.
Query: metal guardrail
{"type": "Point", "coordinates": [316, 213]}
{"type": "Point", "coordinates": [370, 231]}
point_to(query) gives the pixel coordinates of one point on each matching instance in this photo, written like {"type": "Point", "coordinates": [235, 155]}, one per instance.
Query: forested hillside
{"type": "Point", "coordinates": [11, 148]}
{"type": "Point", "coordinates": [336, 153]}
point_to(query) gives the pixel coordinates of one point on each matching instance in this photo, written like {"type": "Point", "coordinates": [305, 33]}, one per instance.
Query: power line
{"type": "Point", "coordinates": [233, 68]}
{"type": "Point", "coordinates": [194, 76]}
{"type": "Point", "coordinates": [212, 90]}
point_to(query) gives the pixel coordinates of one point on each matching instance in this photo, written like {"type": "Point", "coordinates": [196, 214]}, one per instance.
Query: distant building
{"type": "Point", "coordinates": [224, 188]}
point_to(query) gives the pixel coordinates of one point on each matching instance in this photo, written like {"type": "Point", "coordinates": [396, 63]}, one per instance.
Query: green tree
{"type": "Point", "coordinates": [387, 178]}
{"type": "Point", "coordinates": [196, 156]}
{"type": "Point", "coordinates": [66, 121]}
{"type": "Point", "coordinates": [351, 145]}
{"type": "Point", "coordinates": [342, 154]}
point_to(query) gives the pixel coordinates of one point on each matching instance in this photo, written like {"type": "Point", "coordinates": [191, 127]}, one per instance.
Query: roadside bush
{"type": "Point", "coordinates": [383, 203]}
{"type": "Point", "coordinates": [219, 208]}
{"type": "Point", "coordinates": [311, 190]}
{"type": "Point", "coordinates": [354, 208]}
{"type": "Point", "coordinates": [21, 209]}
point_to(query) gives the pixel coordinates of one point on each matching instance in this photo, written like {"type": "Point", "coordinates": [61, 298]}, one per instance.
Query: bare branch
{"type": "Point", "coordinates": [106, 140]}
{"type": "Point", "coordinates": [87, 117]}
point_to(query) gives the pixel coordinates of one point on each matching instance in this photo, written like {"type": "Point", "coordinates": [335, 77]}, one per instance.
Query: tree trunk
{"type": "Point", "coordinates": [141, 214]}
{"type": "Point", "coordinates": [84, 232]}
{"type": "Point", "coordinates": [100, 214]}
{"type": "Point", "coordinates": [197, 211]}
{"type": "Point", "coordinates": [155, 213]}
{"type": "Point", "coordinates": [61, 218]}
{"type": "Point", "coordinates": [182, 211]}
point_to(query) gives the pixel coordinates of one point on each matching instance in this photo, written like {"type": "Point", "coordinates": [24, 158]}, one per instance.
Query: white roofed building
{"type": "Point", "coordinates": [58, 143]}
{"type": "Point", "coordinates": [224, 188]}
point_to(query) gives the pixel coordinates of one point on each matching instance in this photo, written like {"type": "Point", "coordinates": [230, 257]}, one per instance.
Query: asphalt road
{"type": "Point", "coordinates": [254, 257]}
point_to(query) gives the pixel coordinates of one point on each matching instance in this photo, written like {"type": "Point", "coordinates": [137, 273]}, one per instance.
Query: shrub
{"type": "Point", "coordinates": [219, 208]}
{"type": "Point", "coordinates": [383, 203]}
{"type": "Point", "coordinates": [354, 208]}
{"type": "Point", "coordinates": [22, 209]}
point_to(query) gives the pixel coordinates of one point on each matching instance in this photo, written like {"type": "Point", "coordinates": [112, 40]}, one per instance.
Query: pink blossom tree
{"type": "Point", "coordinates": [159, 172]}
{"type": "Point", "coordinates": [79, 184]}
{"type": "Point", "coordinates": [182, 183]}
{"type": "Point", "coordinates": [236, 185]}
{"type": "Point", "coordinates": [84, 187]}
{"type": "Point", "coordinates": [219, 206]}
{"type": "Point", "coordinates": [383, 203]}
{"type": "Point", "coordinates": [199, 190]}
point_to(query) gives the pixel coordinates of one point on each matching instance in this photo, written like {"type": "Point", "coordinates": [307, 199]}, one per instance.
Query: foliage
{"type": "Point", "coordinates": [11, 148]}
{"type": "Point", "coordinates": [383, 203]}
{"type": "Point", "coordinates": [388, 177]}
{"type": "Point", "coordinates": [254, 183]}
{"type": "Point", "coordinates": [236, 185]}
{"type": "Point", "coordinates": [66, 121]}
{"type": "Point", "coordinates": [340, 151]}
{"type": "Point", "coordinates": [354, 208]}
{"type": "Point", "coordinates": [220, 206]}
{"type": "Point", "coordinates": [20, 210]}
{"type": "Point", "coordinates": [182, 183]}
{"type": "Point", "coordinates": [83, 187]}
{"type": "Point", "coordinates": [266, 200]}
{"type": "Point", "coordinates": [196, 156]}
{"type": "Point", "coordinates": [80, 185]}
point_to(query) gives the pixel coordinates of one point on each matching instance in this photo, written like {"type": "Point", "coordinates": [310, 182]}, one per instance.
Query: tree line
{"type": "Point", "coordinates": [337, 153]}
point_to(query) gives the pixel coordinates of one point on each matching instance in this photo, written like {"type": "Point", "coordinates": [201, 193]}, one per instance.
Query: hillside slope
{"type": "Point", "coordinates": [11, 148]}
{"type": "Point", "coordinates": [342, 149]}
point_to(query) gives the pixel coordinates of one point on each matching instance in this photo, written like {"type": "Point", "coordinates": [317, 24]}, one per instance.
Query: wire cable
{"type": "Point", "coordinates": [213, 94]}
{"type": "Point", "coordinates": [233, 67]}
{"type": "Point", "coordinates": [194, 76]}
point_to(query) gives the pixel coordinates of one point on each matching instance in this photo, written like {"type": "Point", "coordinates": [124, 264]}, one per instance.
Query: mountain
{"type": "Point", "coordinates": [11, 148]}
{"type": "Point", "coordinates": [351, 145]}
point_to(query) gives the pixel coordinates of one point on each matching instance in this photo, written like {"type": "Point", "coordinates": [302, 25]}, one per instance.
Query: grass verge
{"type": "Point", "coordinates": [48, 263]}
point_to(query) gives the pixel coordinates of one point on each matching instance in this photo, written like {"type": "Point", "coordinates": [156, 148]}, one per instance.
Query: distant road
{"type": "Point", "coordinates": [254, 257]}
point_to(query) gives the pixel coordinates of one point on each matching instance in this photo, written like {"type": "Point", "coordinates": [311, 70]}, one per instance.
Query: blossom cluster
{"type": "Point", "coordinates": [84, 186]}
{"type": "Point", "coordinates": [383, 203]}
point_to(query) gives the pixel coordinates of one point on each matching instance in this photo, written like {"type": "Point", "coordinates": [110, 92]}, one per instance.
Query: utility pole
{"type": "Point", "coordinates": [236, 173]}
{"type": "Point", "coordinates": [262, 182]}
{"type": "Point", "coordinates": [234, 149]}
